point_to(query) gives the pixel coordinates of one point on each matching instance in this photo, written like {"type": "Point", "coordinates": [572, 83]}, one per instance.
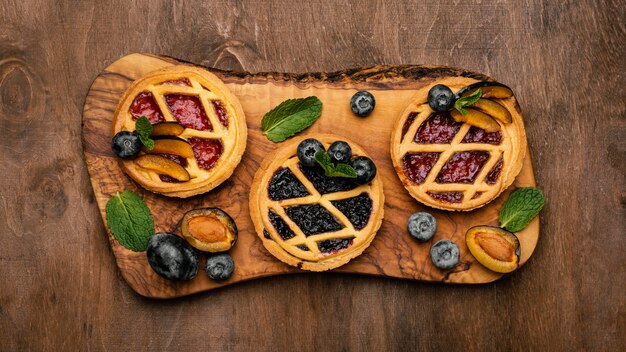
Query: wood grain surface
{"type": "Point", "coordinates": [61, 290]}
{"type": "Point", "coordinates": [393, 253]}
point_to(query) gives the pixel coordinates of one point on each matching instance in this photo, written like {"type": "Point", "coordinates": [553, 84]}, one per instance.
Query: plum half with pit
{"type": "Point", "coordinates": [209, 229]}
{"type": "Point", "coordinates": [171, 257]}
{"type": "Point", "coordinates": [495, 248]}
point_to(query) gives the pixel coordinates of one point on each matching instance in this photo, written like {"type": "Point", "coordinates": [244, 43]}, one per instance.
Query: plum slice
{"type": "Point", "coordinates": [168, 128]}
{"type": "Point", "coordinates": [163, 166]}
{"type": "Point", "coordinates": [171, 146]}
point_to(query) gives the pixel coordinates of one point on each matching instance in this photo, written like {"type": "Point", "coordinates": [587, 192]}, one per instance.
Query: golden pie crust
{"type": "Point", "coordinates": [207, 87]}
{"type": "Point", "coordinates": [512, 149]}
{"type": "Point", "coordinates": [288, 250]}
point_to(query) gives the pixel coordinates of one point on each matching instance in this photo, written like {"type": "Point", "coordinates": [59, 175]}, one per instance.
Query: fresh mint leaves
{"type": "Point", "coordinates": [129, 220]}
{"type": "Point", "coordinates": [468, 100]}
{"type": "Point", "coordinates": [290, 117]}
{"type": "Point", "coordinates": [332, 170]}
{"type": "Point", "coordinates": [521, 207]}
{"type": "Point", "coordinates": [144, 130]}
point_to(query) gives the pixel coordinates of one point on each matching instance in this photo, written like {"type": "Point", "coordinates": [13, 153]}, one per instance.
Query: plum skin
{"type": "Point", "coordinates": [171, 257]}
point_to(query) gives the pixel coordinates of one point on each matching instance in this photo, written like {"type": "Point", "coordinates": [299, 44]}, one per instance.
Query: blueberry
{"type": "Point", "coordinates": [307, 149]}
{"type": "Point", "coordinates": [440, 98]}
{"type": "Point", "coordinates": [422, 226]}
{"type": "Point", "coordinates": [220, 266]}
{"type": "Point", "coordinates": [126, 145]}
{"type": "Point", "coordinates": [444, 254]}
{"type": "Point", "coordinates": [362, 103]}
{"type": "Point", "coordinates": [340, 152]}
{"type": "Point", "coordinates": [365, 169]}
{"type": "Point", "coordinates": [171, 257]}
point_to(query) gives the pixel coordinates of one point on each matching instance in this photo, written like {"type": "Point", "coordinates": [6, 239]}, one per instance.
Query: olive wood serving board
{"type": "Point", "coordinates": [392, 253]}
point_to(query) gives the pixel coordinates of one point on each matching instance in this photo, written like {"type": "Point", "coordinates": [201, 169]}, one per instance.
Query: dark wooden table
{"type": "Point", "coordinates": [60, 289]}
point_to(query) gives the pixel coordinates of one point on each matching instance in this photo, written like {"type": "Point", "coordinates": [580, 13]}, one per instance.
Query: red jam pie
{"type": "Point", "coordinates": [454, 165]}
{"type": "Point", "coordinates": [199, 130]}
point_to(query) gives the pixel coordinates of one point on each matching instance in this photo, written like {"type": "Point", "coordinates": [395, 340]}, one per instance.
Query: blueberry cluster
{"type": "Point", "coordinates": [339, 152]}
{"type": "Point", "coordinates": [444, 254]}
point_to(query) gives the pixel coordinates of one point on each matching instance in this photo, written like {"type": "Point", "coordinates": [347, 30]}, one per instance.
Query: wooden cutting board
{"type": "Point", "coordinates": [392, 253]}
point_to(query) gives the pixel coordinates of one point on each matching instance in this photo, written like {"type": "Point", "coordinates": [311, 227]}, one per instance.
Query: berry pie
{"type": "Point", "coordinates": [198, 126]}
{"type": "Point", "coordinates": [459, 161]}
{"type": "Point", "coordinates": [309, 220]}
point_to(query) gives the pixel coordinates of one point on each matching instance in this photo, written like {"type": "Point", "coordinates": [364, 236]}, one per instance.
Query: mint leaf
{"type": "Point", "coordinates": [143, 126]}
{"type": "Point", "coordinates": [290, 117]}
{"type": "Point", "coordinates": [129, 220]}
{"type": "Point", "coordinates": [331, 170]}
{"type": "Point", "coordinates": [468, 100]}
{"type": "Point", "coordinates": [344, 170]}
{"type": "Point", "coordinates": [521, 207]}
{"type": "Point", "coordinates": [323, 159]}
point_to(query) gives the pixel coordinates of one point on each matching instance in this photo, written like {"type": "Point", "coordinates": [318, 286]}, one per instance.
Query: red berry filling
{"type": "Point", "coordinates": [221, 113]}
{"type": "Point", "coordinates": [478, 135]}
{"type": "Point", "coordinates": [145, 105]}
{"type": "Point", "coordinates": [462, 167]}
{"type": "Point", "coordinates": [206, 151]}
{"type": "Point", "coordinates": [439, 128]}
{"type": "Point", "coordinates": [492, 177]}
{"type": "Point", "coordinates": [450, 197]}
{"type": "Point", "coordinates": [188, 110]}
{"type": "Point", "coordinates": [417, 165]}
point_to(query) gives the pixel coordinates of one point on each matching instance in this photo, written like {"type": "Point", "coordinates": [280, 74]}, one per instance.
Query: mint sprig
{"type": "Point", "coordinates": [334, 170]}
{"type": "Point", "coordinates": [143, 126]}
{"type": "Point", "coordinates": [521, 207]}
{"type": "Point", "coordinates": [290, 117]}
{"type": "Point", "coordinates": [468, 100]}
{"type": "Point", "coordinates": [129, 220]}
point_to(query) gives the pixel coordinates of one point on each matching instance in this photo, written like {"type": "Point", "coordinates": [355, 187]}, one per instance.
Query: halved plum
{"type": "Point", "coordinates": [163, 166]}
{"type": "Point", "coordinates": [495, 248]}
{"type": "Point", "coordinates": [175, 146]}
{"type": "Point", "coordinates": [488, 89]}
{"type": "Point", "coordinates": [476, 119]}
{"type": "Point", "coordinates": [209, 229]}
{"type": "Point", "coordinates": [494, 110]}
{"type": "Point", "coordinates": [168, 128]}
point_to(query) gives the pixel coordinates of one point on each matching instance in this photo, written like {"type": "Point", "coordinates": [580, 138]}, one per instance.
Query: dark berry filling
{"type": "Point", "coordinates": [188, 110]}
{"type": "Point", "coordinates": [303, 247]}
{"type": "Point", "coordinates": [285, 185]}
{"type": "Point", "coordinates": [145, 105]}
{"type": "Point", "coordinates": [266, 234]}
{"type": "Point", "coordinates": [439, 128]}
{"type": "Point", "coordinates": [450, 197]}
{"type": "Point", "coordinates": [220, 111]}
{"type": "Point", "coordinates": [417, 165]}
{"type": "Point", "coordinates": [407, 124]}
{"type": "Point", "coordinates": [478, 135]}
{"type": "Point", "coordinates": [281, 226]}
{"type": "Point", "coordinates": [334, 245]}
{"type": "Point", "coordinates": [313, 219]}
{"type": "Point", "coordinates": [325, 184]}
{"type": "Point", "coordinates": [492, 176]}
{"type": "Point", "coordinates": [462, 167]}
{"type": "Point", "coordinates": [179, 82]}
{"type": "Point", "coordinates": [357, 209]}
{"type": "Point", "coordinates": [206, 151]}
